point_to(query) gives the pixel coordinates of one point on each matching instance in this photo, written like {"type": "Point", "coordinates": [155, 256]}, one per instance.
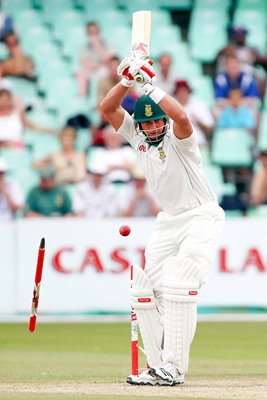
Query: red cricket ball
{"type": "Point", "coordinates": [125, 230]}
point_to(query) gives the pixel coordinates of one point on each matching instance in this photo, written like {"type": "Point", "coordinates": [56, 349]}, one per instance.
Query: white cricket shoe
{"type": "Point", "coordinates": [144, 378]}
{"type": "Point", "coordinates": [167, 373]}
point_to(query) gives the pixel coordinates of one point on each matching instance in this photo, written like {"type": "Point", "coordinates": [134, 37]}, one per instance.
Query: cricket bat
{"type": "Point", "coordinates": [141, 31]}
{"type": "Point", "coordinates": [37, 284]}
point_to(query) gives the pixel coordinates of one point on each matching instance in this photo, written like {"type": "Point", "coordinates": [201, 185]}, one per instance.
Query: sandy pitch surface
{"type": "Point", "coordinates": [215, 388]}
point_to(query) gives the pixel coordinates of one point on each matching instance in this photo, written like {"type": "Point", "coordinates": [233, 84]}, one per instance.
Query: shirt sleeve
{"type": "Point", "coordinates": [127, 128]}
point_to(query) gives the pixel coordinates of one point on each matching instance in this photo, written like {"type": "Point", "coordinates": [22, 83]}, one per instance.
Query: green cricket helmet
{"type": "Point", "coordinates": [147, 110]}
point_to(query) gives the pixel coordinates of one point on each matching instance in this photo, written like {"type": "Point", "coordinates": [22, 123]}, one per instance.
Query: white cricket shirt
{"type": "Point", "coordinates": [172, 169]}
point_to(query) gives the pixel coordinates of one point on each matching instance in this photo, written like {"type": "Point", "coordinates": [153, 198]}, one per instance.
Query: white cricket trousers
{"type": "Point", "coordinates": [192, 235]}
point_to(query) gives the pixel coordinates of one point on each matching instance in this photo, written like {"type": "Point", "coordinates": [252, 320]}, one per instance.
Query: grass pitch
{"type": "Point", "coordinates": [92, 360]}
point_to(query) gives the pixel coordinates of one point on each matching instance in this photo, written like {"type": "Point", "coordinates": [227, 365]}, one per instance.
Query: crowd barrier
{"type": "Point", "coordinates": [86, 268]}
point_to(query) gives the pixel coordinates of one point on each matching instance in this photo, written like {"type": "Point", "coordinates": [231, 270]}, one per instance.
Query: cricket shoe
{"type": "Point", "coordinates": [167, 373]}
{"type": "Point", "coordinates": [144, 378]}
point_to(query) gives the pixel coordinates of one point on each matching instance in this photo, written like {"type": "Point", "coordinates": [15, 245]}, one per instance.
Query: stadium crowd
{"type": "Point", "coordinates": [89, 171]}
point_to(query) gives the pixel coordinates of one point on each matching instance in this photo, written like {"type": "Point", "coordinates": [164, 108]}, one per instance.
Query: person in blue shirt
{"type": "Point", "coordinates": [235, 78]}
{"type": "Point", "coordinates": [236, 114]}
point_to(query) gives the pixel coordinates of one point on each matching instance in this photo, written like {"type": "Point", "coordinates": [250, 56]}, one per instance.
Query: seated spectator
{"type": "Point", "coordinates": [17, 64]}
{"type": "Point", "coordinates": [104, 85]}
{"type": "Point", "coordinates": [117, 159]}
{"type": "Point", "coordinates": [235, 78]}
{"type": "Point", "coordinates": [166, 77]}
{"type": "Point", "coordinates": [48, 199]}
{"type": "Point", "coordinates": [13, 120]}
{"type": "Point", "coordinates": [136, 199]}
{"type": "Point", "coordinates": [236, 114]}
{"type": "Point", "coordinates": [11, 197]}
{"type": "Point", "coordinates": [258, 189]}
{"type": "Point", "coordinates": [248, 56]}
{"type": "Point", "coordinates": [95, 197]}
{"type": "Point", "coordinates": [198, 112]}
{"type": "Point", "coordinates": [94, 58]}
{"type": "Point", "coordinates": [69, 164]}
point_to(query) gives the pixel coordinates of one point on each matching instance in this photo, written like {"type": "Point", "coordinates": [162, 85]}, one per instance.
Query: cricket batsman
{"type": "Point", "coordinates": [183, 244]}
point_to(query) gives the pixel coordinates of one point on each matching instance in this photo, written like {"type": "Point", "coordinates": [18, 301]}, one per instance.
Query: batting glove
{"type": "Point", "coordinates": [132, 57]}
{"type": "Point", "coordinates": [144, 74]}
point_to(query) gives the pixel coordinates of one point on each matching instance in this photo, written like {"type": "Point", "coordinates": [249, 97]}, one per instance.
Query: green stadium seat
{"type": "Point", "coordinates": [210, 39]}
{"type": "Point", "coordinates": [56, 94]}
{"type": "Point", "coordinates": [203, 89]}
{"type": "Point", "coordinates": [51, 73]}
{"type": "Point", "coordinates": [27, 178]}
{"type": "Point", "coordinates": [72, 44]}
{"type": "Point", "coordinates": [73, 106]}
{"type": "Point", "coordinates": [161, 18]}
{"type": "Point", "coordinates": [259, 211]}
{"type": "Point", "coordinates": [25, 89]}
{"type": "Point", "coordinates": [13, 7]}
{"type": "Point", "coordinates": [83, 140]}
{"type": "Point", "coordinates": [16, 159]}
{"type": "Point", "coordinates": [93, 8]}
{"type": "Point", "coordinates": [44, 145]}
{"type": "Point", "coordinates": [252, 4]}
{"type": "Point", "coordinates": [177, 4]}
{"type": "Point", "coordinates": [3, 51]}
{"type": "Point", "coordinates": [212, 4]}
{"type": "Point", "coordinates": [33, 37]}
{"type": "Point", "coordinates": [66, 22]}
{"type": "Point", "coordinates": [51, 9]}
{"type": "Point", "coordinates": [27, 18]}
{"type": "Point", "coordinates": [139, 5]}
{"type": "Point", "coordinates": [167, 35]}
{"type": "Point", "coordinates": [232, 147]}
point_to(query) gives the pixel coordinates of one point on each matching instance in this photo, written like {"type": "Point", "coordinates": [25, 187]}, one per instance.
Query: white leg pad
{"type": "Point", "coordinates": [144, 303]}
{"type": "Point", "coordinates": [180, 301]}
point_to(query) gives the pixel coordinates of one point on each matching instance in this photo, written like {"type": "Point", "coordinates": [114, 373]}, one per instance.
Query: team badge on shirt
{"type": "Point", "coordinates": [148, 110]}
{"type": "Point", "coordinates": [162, 154]}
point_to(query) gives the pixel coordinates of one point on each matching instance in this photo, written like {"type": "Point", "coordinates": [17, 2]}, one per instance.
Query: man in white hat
{"type": "Point", "coordinates": [11, 196]}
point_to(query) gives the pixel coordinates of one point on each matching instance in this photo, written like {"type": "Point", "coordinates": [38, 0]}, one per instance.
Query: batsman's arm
{"type": "Point", "coordinates": [182, 127]}
{"type": "Point", "coordinates": [111, 105]}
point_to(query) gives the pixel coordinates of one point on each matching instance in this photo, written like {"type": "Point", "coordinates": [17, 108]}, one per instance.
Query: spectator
{"type": "Point", "coordinates": [198, 112]}
{"type": "Point", "coordinates": [103, 87]}
{"type": "Point", "coordinates": [117, 159]}
{"type": "Point", "coordinates": [48, 199]}
{"type": "Point", "coordinates": [165, 77]}
{"type": "Point", "coordinates": [236, 114]}
{"type": "Point", "coordinates": [94, 58]}
{"type": "Point", "coordinates": [234, 77]}
{"type": "Point", "coordinates": [136, 199]}
{"type": "Point", "coordinates": [69, 164]}
{"type": "Point", "coordinates": [13, 121]}
{"type": "Point", "coordinates": [18, 64]}
{"type": "Point", "coordinates": [95, 197]}
{"type": "Point", "coordinates": [248, 56]}
{"type": "Point", "coordinates": [11, 197]}
{"type": "Point", "coordinates": [258, 189]}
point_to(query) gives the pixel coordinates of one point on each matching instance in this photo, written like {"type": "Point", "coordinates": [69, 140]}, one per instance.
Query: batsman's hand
{"type": "Point", "coordinates": [143, 72]}
{"type": "Point", "coordinates": [135, 57]}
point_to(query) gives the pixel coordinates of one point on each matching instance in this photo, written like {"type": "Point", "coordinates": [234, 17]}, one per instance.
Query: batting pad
{"type": "Point", "coordinates": [148, 317]}
{"type": "Point", "coordinates": [180, 301]}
